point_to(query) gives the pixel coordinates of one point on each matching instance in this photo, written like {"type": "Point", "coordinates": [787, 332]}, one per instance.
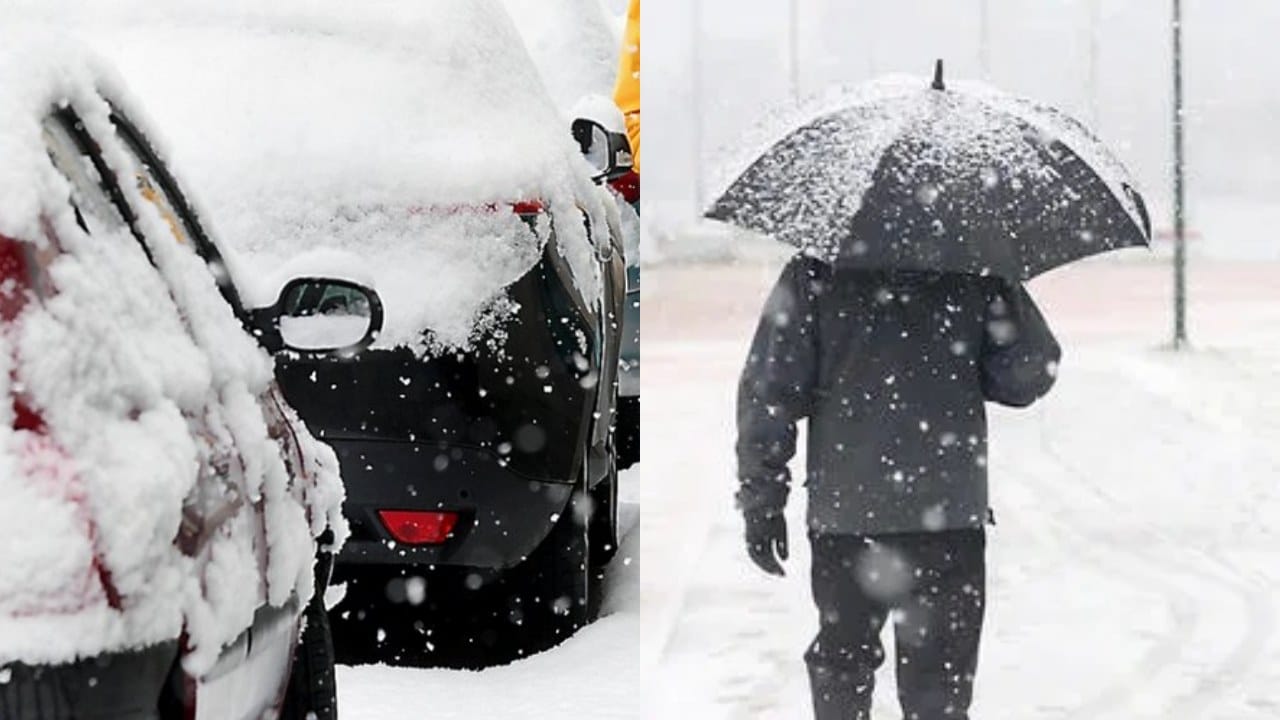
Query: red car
{"type": "Point", "coordinates": [166, 521]}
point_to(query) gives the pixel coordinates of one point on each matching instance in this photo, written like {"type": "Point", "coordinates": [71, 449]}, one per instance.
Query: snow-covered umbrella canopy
{"type": "Point", "coordinates": [384, 130]}
{"type": "Point", "coordinates": [904, 173]}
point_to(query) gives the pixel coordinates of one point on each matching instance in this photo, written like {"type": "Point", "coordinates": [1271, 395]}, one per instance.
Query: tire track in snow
{"type": "Point", "coordinates": [1251, 591]}
{"type": "Point", "coordinates": [1182, 607]}
{"type": "Point", "coordinates": [1201, 571]}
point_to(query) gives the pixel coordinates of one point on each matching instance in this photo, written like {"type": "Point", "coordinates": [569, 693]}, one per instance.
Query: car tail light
{"type": "Point", "coordinates": [46, 466]}
{"type": "Point", "coordinates": [25, 418]}
{"type": "Point", "coordinates": [419, 527]}
{"type": "Point", "coordinates": [628, 186]}
{"type": "Point", "coordinates": [42, 461]}
{"type": "Point", "coordinates": [15, 280]}
{"type": "Point", "coordinates": [528, 207]}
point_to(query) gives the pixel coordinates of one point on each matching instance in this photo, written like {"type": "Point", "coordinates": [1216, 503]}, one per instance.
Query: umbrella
{"type": "Point", "coordinates": [916, 176]}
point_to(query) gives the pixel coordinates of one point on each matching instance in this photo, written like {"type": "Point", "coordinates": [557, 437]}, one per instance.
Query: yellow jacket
{"type": "Point", "coordinates": [626, 93]}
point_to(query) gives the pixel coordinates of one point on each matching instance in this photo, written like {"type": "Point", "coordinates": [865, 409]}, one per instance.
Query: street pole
{"type": "Point", "coordinates": [1094, 13]}
{"type": "Point", "coordinates": [695, 30]}
{"type": "Point", "coordinates": [793, 50]}
{"type": "Point", "coordinates": [1179, 191]}
{"type": "Point", "coordinates": [984, 38]}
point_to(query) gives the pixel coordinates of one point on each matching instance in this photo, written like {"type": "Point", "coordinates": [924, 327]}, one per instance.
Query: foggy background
{"type": "Point", "coordinates": [711, 66]}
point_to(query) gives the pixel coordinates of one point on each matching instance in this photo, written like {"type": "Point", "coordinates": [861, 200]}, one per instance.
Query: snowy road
{"type": "Point", "coordinates": [1135, 570]}
{"type": "Point", "coordinates": [594, 674]}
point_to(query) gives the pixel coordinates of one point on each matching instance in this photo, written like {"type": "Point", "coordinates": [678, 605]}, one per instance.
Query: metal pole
{"type": "Point", "coordinates": [1094, 17]}
{"type": "Point", "coordinates": [699, 191]}
{"type": "Point", "coordinates": [984, 38]}
{"type": "Point", "coordinates": [1179, 191]}
{"type": "Point", "coordinates": [793, 49]}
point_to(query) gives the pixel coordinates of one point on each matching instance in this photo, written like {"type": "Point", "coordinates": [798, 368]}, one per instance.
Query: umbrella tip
{"type": "Point", "coordinates": [937, 76]}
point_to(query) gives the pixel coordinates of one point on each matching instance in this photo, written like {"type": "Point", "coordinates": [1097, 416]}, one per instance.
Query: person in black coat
{"type": "Point", "coordinates": [891, 370]}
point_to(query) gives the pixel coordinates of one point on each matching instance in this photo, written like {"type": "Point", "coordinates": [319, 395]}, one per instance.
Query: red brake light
{"type": "Point", "coordinates": [26, 418]}
{"type": "Point", "coordinates": [418, 527]}
{"type": "Point", "coordinates": [528, 207]}
{"type": "Point", "coordinates": [628, 186]}
{"type": "Point", "coordinates": [14, 278]}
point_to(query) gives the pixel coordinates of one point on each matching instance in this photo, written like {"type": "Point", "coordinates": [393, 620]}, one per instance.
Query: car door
{"type": "Point", "coordinates": [101, 208]}
{"type": "Point", "coordinates": [219, 505]}
{"type": "Point", "coordinates": [249, 679]}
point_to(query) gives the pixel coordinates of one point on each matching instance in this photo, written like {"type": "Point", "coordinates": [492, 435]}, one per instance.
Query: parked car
{"type": "Point", "coordinates": [168, 523]}
{"type": "Point", "coordinates": [575, 45]}
{"type": "Point", "coordinates": [474, 435]}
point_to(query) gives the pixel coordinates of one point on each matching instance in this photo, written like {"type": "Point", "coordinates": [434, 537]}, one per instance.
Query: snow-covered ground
{"type": "Point", "coordinates": [595, 674]}
{"type": "Point", "coordinates": [1135, 570]}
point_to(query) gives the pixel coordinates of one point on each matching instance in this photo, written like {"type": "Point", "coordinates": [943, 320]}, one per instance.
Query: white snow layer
{"type": "Point", "coordinates": [146, 381]}
{"type": "Point", "coordinates": [399, 132]}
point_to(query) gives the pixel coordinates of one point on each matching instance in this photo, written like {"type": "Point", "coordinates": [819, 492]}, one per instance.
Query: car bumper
{"type": "Point", "coordinates": [119, 686]}
{"type": "Point", "coordinates": [503, 516]}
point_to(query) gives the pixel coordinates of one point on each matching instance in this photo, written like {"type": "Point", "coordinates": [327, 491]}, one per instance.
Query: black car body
{"type": "Point", "coordinates": [502, 435]}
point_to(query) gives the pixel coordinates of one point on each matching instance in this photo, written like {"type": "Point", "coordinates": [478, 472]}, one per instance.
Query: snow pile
{"type": "Point", "coordinates": [804, 170]}
{"type": "Point", "coordinates": [384, 129]}
{"type": "Point", "coordinates": [157, 406]}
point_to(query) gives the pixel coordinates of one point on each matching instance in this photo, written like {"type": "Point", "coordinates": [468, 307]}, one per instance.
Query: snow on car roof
{"type": "Point", "coordinates": [305, 125]}
{"type": "Point", "coordinates": [432, 98]}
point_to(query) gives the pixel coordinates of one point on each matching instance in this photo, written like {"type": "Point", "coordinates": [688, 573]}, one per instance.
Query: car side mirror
{"type": "Point", "coordinates": [606, 151]}
{"type": "Point", "coordinates": [320, 317]}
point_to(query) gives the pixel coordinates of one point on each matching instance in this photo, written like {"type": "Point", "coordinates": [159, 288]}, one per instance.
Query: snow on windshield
{"type": "Point", "coordinates": [379, 129]}
{"type": "Point", "coordinates": [145, 379]}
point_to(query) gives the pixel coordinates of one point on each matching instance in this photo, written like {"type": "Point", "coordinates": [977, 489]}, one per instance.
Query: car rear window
{"type": "Point", "coordinates": [95, 213]}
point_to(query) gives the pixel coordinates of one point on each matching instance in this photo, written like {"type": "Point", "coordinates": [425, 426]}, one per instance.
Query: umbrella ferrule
{"type": "Point", "coordinates": [937, 76]}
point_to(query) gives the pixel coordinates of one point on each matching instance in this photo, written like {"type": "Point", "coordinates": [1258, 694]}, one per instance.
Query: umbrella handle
{"type": "Point", "coordinates": [1013, 317]}
{"type": "Point", "coordinates": [1013, 292]}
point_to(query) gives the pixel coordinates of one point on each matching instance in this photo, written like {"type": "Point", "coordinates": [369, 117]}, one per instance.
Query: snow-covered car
{"type": "Point", "coordinates": [575, 46]}
{"type": "Point", "coordinates": [414, 143]}
{"type": "Point", "coordinates": [167, 523]}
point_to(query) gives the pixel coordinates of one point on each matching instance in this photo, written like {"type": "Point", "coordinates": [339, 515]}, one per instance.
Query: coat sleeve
{"type": "Point", "coordinates": [776, 387]}
{"type": "Point", "coordinates": [1019, 355]}
{"type": "Point", "coordinates": [626, 90]}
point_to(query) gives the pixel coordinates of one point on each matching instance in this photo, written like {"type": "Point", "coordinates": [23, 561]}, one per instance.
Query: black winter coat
{"type": "Point", "coordinates": [891, 371]}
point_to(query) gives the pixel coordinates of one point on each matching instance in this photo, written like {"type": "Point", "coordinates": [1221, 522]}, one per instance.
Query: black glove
{"type": "Point", "coordinates": [767, 539]}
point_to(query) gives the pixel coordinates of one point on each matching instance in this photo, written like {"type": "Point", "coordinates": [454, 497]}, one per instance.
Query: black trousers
{"type": "Point", "coordinates": [932, 585]}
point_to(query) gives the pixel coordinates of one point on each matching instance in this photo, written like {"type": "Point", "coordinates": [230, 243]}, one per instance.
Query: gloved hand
{"type": "Point", "coordinates": [767, 539]}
